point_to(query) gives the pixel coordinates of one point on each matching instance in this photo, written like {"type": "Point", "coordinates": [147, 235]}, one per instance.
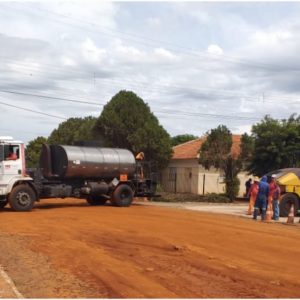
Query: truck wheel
{"type": "Point", "coordinates": [122, 195]}
{"type": "Point", "coordinates": [96, 200]}
{"type": "Point", "coordinates": [22, 198]}
{"type": "Point", "coordinates": [286, 202]}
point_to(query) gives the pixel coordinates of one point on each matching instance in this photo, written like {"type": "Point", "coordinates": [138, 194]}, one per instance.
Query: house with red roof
{"type": "Point", "coordinates": [185, 175]}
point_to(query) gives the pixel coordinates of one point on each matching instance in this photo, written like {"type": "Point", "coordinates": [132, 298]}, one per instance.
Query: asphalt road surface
{"type": "Point", "coordinates": [66, 248]}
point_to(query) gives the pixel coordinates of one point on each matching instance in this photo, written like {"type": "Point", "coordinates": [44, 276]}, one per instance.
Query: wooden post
{"type": "Point", "coordinates": [175, 182]}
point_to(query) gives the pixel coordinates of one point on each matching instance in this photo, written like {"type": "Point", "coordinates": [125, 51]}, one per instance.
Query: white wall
{"type": "Point", "coordinates": [192, 178]}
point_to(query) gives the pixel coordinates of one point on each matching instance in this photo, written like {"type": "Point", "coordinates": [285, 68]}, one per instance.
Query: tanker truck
{"type": "Point", "coordinates": [92, 173]}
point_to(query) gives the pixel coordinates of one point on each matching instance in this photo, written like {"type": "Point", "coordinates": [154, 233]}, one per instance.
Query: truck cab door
{"type": "Point", "coordinates": [10, 162]}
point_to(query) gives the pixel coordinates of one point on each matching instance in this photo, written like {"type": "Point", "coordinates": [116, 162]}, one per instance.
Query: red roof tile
{"type": "Point", "coordinates": [189, 150]}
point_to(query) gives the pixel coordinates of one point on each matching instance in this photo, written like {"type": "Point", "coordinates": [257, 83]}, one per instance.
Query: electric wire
{"type": "Point", "coordinates": [32, 111]}
{"type": "Point", "coordinates": [161, 111]}
{"type": "Point", "coordinates": [157, 86]}
{"type": "Point", "coordinates": [51, 97]}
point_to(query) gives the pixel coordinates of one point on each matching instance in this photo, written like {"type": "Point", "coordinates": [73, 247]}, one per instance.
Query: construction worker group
{"type": "Point", "coordinates": [263, 198]}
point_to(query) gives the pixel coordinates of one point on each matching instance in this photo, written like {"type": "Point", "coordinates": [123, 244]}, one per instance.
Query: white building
{"type": "Point", "coordinates": [185, 175]}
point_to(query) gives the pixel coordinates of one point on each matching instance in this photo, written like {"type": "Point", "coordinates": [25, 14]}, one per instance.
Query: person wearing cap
{"type": "Point", "coordinates": [261, 199]}
{"type": "Point", "coordinates": [252, 194]}
{"type": "Point", "coordinates": [275, 190]}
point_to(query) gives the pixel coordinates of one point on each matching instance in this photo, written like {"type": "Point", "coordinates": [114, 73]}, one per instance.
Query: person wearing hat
{"type": "Point", "coordinates": [275, 195]}
{"type": "Point", "coordinates": [261, 199]}
{"type": "Point", "coordinates": [252, 194]}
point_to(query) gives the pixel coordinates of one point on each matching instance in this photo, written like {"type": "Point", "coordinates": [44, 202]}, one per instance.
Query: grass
{"type": "Point", "coordinates": [178, 197]}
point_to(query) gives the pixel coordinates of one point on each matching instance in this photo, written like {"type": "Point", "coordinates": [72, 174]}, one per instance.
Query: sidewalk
{"type": "Point", "coordinates": [7, 287]}
{"type": "Point", "coordinates": [235, 209]}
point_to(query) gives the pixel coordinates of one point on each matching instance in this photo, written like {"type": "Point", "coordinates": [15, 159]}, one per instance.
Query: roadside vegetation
{"type": "Point", "coordinates": [171, 197]}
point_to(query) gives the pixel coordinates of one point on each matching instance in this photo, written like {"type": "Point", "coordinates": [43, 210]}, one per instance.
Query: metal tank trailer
{"type": "Point", "coordinates": [92, 173]}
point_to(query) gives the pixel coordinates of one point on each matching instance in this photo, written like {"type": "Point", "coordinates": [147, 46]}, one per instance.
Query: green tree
{"type": "Point", "coordinates": [247, 149]}
{"type": "Point", "coordinates": [216, 148]}
{"type": "Point", "coordinates": [127, 122]}
{"type": "Point", "coordinates": [182, 138]}
{"type": "Point", "coordinates": [232, 183]}
{"type": "Point", "coordinates": [74, 129]}
{"type": "Point", "coordinates": [276, 145]}
{"type": "Point", "coordinates": [216, 152]}
{"type": "Point", "coordinates": [33, 150]}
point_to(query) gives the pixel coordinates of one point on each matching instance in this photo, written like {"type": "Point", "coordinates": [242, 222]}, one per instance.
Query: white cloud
{"type": "Point", "coordinates": [214, 49]}
{"type": "Point", "coordinates": [67, 61]}
{"type": "Point", "coordinates": [271, 38]}
{"type": "Point", "coordinates": [91, 52]}
{"type": "Point", "coordinates": [165, 54]}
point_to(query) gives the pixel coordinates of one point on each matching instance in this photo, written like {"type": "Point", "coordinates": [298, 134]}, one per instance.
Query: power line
{"type": "Point", "coordinates": [33, 111]}
{"type": "Point", "coordinates": [212, 91]}
{"type": "Point", "coordinates": [157, 86]}
{"type": "Point", "coordinates": [162, 111]}
{"type": "Point", "coordinates": [197, 114]}
{"type": "Point", "coordinates": [51, 97]}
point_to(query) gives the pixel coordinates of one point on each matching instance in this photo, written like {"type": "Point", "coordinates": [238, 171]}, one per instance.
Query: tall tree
{"type": "Point", "coordinates": [216, 148]}
{"type": "Point", "coordinates": [33, 150]}
{"type": "Point", "coordinates": [182, 138]}
{"type": "Point", "coordinates": [276, 144]}
{"type": "Point", "coordinates": [247, 149]}
{"type": "Point", "coordinates": [74, 129]}
{"type": "Point", "coordinates": [216, 152]}
{"type": "Point", "coordinates": [127, 122]}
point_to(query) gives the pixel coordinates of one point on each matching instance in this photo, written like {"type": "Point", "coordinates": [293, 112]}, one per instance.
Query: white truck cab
{"type": "Point", "coordinates": [12, 166]}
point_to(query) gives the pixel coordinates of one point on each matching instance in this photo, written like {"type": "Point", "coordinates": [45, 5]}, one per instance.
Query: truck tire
{"type": "Point", "coordinates": [96, 200]}
{"type": "Point", "coordinates": [286, 202]}
{"type": "Point", "coordinates": [22, 198]}
{"type": "Point", "coordinates": [122, 196]}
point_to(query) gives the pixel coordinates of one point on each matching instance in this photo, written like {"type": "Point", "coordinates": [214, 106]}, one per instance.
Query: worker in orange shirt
{"type": "Point", "coordinates": [252, 194]}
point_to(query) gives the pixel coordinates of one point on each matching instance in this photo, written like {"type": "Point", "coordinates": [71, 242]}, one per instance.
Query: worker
{"type": "Point", "coordinates": [139, 157]}
{"type": "Point", "coordinates": [261, 199]}
{"type": "Point", "coordinates": [12, 156]}
{"type": "Point", "coordinates": [248, 184]}
{"type": "Point", "coordinates": [252, 194]}
{"type": "Point", "coordinates": [272, 187]}
{"type": "Point", "coordinates": [275, 198]}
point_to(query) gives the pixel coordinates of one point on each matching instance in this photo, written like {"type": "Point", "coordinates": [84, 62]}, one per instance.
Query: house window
{"type": "Point", "coordinates": [172, 174]}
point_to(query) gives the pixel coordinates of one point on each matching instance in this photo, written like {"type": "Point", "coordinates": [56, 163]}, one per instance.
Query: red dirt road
{"type": "Point", "coordinates": [65, 248]}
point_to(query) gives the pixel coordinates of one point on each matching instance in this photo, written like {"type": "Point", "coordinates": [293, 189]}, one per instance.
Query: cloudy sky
{"type": "Point", "coordinates": [196, 64]}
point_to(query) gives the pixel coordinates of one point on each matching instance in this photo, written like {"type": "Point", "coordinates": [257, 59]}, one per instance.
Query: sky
{"type": "Point", "coordinates": [196, 64]}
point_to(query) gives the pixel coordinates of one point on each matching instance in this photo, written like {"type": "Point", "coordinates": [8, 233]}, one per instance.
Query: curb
{"type": "Point", "coordinates": [7, 286]}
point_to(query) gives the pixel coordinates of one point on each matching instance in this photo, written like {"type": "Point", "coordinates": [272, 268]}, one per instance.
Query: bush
{"type": "Point", "coordinates": [213, 198]}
